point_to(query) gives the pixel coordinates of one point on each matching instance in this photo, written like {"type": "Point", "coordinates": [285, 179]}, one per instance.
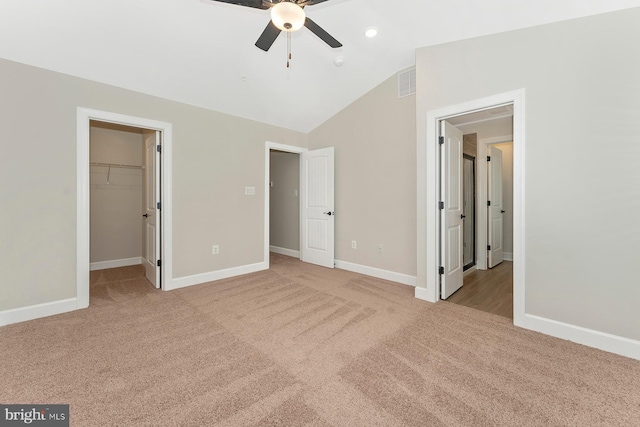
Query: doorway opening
{"type": "Point", "coordinates": [468, 210]}
{"type": "Point", "coordinates": [150, 156]}
{"type": "Point", "coordinates": [125, 223]}
{"type": "Point", "coordinates": [315, 198]}
{"type": "Point", "coordinates": [284, 203]}
{"type": "Point", "coordinates": [436, 241]}
{"type": "Point", "coordinates": [488, 285]}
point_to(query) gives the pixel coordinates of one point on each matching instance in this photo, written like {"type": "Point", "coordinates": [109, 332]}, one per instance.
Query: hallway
{"type": "Point", "coordinates": [488, 290]}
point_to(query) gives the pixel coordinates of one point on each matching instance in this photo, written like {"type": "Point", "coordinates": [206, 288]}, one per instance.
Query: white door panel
{"type": "Point", "coordinates": [495, 209]}
{"type": "Point", "coordinates": [152, 214]}
{"type": "Point", "coordinates": [317, 207]}
{"type": "Point", "coordinates": [451, 233]}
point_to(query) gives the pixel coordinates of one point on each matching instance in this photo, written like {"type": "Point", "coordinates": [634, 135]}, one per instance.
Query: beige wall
{"type": "Point", "coordinates": [214, 157]}
{"type": "Point", "coordinates": [284, 203]}
{"type": "Point", "coordinates": [375, 176]}
{"type": "Point", "coordinates": [582, 156]}
{"type": "Point", "coordinates": [116, 207]}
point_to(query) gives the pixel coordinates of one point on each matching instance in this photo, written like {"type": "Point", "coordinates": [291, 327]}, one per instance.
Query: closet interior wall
{"type": "Point", "coordinates": [116, 196]}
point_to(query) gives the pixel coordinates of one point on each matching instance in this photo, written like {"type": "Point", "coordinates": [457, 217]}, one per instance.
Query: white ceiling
{"type": "Point", "coordinates": [202, 52]}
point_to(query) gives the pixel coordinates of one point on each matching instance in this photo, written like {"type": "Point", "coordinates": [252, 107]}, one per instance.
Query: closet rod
{"type": "Point", "coordinates": [115, 165]}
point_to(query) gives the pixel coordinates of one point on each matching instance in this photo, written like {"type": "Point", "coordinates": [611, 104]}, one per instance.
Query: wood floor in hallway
{"type": "Point", "coordinates": [488, 290]}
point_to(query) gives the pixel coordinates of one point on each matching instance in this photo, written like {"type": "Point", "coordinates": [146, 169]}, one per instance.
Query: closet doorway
{"type": "Point", "coordinates": [125, 222]}
{"type": "Point", "coordinates": [151, 134]}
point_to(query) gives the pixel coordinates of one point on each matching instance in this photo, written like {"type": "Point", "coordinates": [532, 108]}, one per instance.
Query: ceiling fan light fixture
{"type": "Point", "coordinates": [287, 16]}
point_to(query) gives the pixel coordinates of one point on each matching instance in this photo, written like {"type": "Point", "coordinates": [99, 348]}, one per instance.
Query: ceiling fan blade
{"type": "Point", "coordinates": [309, 2]}
{"type": "Point", "coordinates": [258, 4]}
{"type": "Point", "coordinates": [268, 36]}
{"type": "Point", "coordinates": [318, 31]}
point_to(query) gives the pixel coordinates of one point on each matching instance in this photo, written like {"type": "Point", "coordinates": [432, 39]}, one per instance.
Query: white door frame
{"type": "Point", "coordinates": [428, 212]}
{"type": "Point", "coordinates": [482, 197]}
{"type": "Point", "coordinates": [268, 146]}
{"type": "Point", "coordinates": [84, 116]}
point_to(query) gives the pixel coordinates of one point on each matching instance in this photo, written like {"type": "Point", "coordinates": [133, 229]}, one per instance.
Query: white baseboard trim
{"type": "Point", "coordinates": [405, 279]}
{"type": "Point", "coordinates": [125, 262]}
{"type": "Point", "coordinates": [211, 276]}
{"type": "Point", "coordinates": [421, 293]}
{"type": "Point", "coordinates": [37, 311]}
{"type": "Point", "coordinates": [589, 337]}
{"type": "Point", "coordinates": [284, 251]}
{"type": "Point", "coordinates": [507, 256]}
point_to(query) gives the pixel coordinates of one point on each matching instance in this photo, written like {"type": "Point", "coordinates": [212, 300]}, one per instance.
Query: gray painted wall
{"type": "Point", "coordinates": [582, 156]}
{"type": "Point", "coordinates": [116, 205]}
{"type": "Point", "coordinates": [214, 157]}
{"type": "Point", "coordinates": [284, 204]}
{"type": "Point", "coordinates": [375, 178]}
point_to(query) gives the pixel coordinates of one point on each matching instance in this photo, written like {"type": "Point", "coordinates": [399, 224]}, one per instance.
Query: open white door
{"type": "Point", "coordinates": [451, 215]}
{"type": "Point", "coordinates": [317, 207]}
{"type": "Point", "coordinates": [152, 213]}
{"type": "Point", "coordinates": [495, 210]}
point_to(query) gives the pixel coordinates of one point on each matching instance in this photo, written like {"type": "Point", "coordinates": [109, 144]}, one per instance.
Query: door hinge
{"type": "Point", "coordinates": [159, 148]}
{"type": "Point", "coordinates": [159, 263]}
{"type": "Point", "coordinates": [441, 140]}
{"type": "Point", "coordinates": [488, 247]}
{"type": "Point", "coordinates": [488, 158]}
{"type": "Point", "coordinates": [488, 202]}
{"type": "Point", "coordinates": [158, 206]}
{"type": "Point", "coordinates": [441, 205]}
{"type": "Point", "coordinates": [441, 270]}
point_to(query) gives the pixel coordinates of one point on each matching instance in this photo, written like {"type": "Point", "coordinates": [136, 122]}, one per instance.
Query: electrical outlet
{"type": "Point", "coordinates": [380, 248]}
{"type": "Point", "coordinates": [215, 249]}
{"type": "Point", "coordinates": [250, 191]}
{"type": "Point", "coordinates": [354, 245]}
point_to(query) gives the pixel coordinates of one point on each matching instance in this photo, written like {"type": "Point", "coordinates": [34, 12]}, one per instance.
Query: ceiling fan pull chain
{"type": "Point", "coordinates": [288, 48]}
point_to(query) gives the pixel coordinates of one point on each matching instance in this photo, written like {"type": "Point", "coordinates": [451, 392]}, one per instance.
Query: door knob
{"type": "Point", "coordinates": [329, 213]}
{"type": "Point", "coordinates": [462, 216]}
{"type": "Point", "coordinates": [146, 215]}
{"type": "Point", "coordinates": [502, 211]}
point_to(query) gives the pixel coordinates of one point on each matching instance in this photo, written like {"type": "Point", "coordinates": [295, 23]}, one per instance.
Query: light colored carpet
{"type": "Point", "coordinates": [302, 345]}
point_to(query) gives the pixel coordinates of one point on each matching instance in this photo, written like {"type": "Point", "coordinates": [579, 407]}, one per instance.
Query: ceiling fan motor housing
{"type": "Point", "coordinates": [287, 16]}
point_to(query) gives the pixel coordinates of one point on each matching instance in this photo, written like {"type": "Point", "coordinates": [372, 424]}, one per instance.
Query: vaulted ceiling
{"type": "Point", "coordinates": [202, 52]}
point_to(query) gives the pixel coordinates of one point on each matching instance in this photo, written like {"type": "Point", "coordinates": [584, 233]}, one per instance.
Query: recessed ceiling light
{"type": "Point", "coordinates": [338, 61]}
{"type": "Point", "coordinates": [371, 32]}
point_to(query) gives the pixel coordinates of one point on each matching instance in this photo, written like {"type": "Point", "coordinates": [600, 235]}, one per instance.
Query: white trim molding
{"type": "Point", "coordinates": [84, 117]}
{"type": "Point", "coordinates": [507, 256]}
{"type": "Point", "coordinates": [284, 251]}
{"type": "Point", "coordinates": [198, 279]}
{"type": "Point", "coordinates": [392, 276]}
{"type": "Point", "coordinates": [114, 263]}
{"type": "Point", "coordinates": [589, 337]}
{"type": "Point", "coordinates": [37, 311]}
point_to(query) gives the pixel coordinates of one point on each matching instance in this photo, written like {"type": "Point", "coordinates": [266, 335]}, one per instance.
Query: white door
{"type": "Point", "coordinates": [451, 214]}
{"type": "Point", "coordinates": [317, 208]}
{"type": "Point", "coordinates": [495, 210]}
{"type": "Point", "coordinates": [152, 213]}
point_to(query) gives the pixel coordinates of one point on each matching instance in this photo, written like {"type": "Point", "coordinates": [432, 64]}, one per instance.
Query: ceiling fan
{"type": "Point", "coordinates": [286, 15]}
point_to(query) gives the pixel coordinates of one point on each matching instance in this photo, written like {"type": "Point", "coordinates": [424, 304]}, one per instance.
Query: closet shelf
{"type": "Point", "coordinates": [115, 165]}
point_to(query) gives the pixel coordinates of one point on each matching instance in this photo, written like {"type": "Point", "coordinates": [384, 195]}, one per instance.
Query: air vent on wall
{"type": "Point", "coordinates": [407, 83]}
